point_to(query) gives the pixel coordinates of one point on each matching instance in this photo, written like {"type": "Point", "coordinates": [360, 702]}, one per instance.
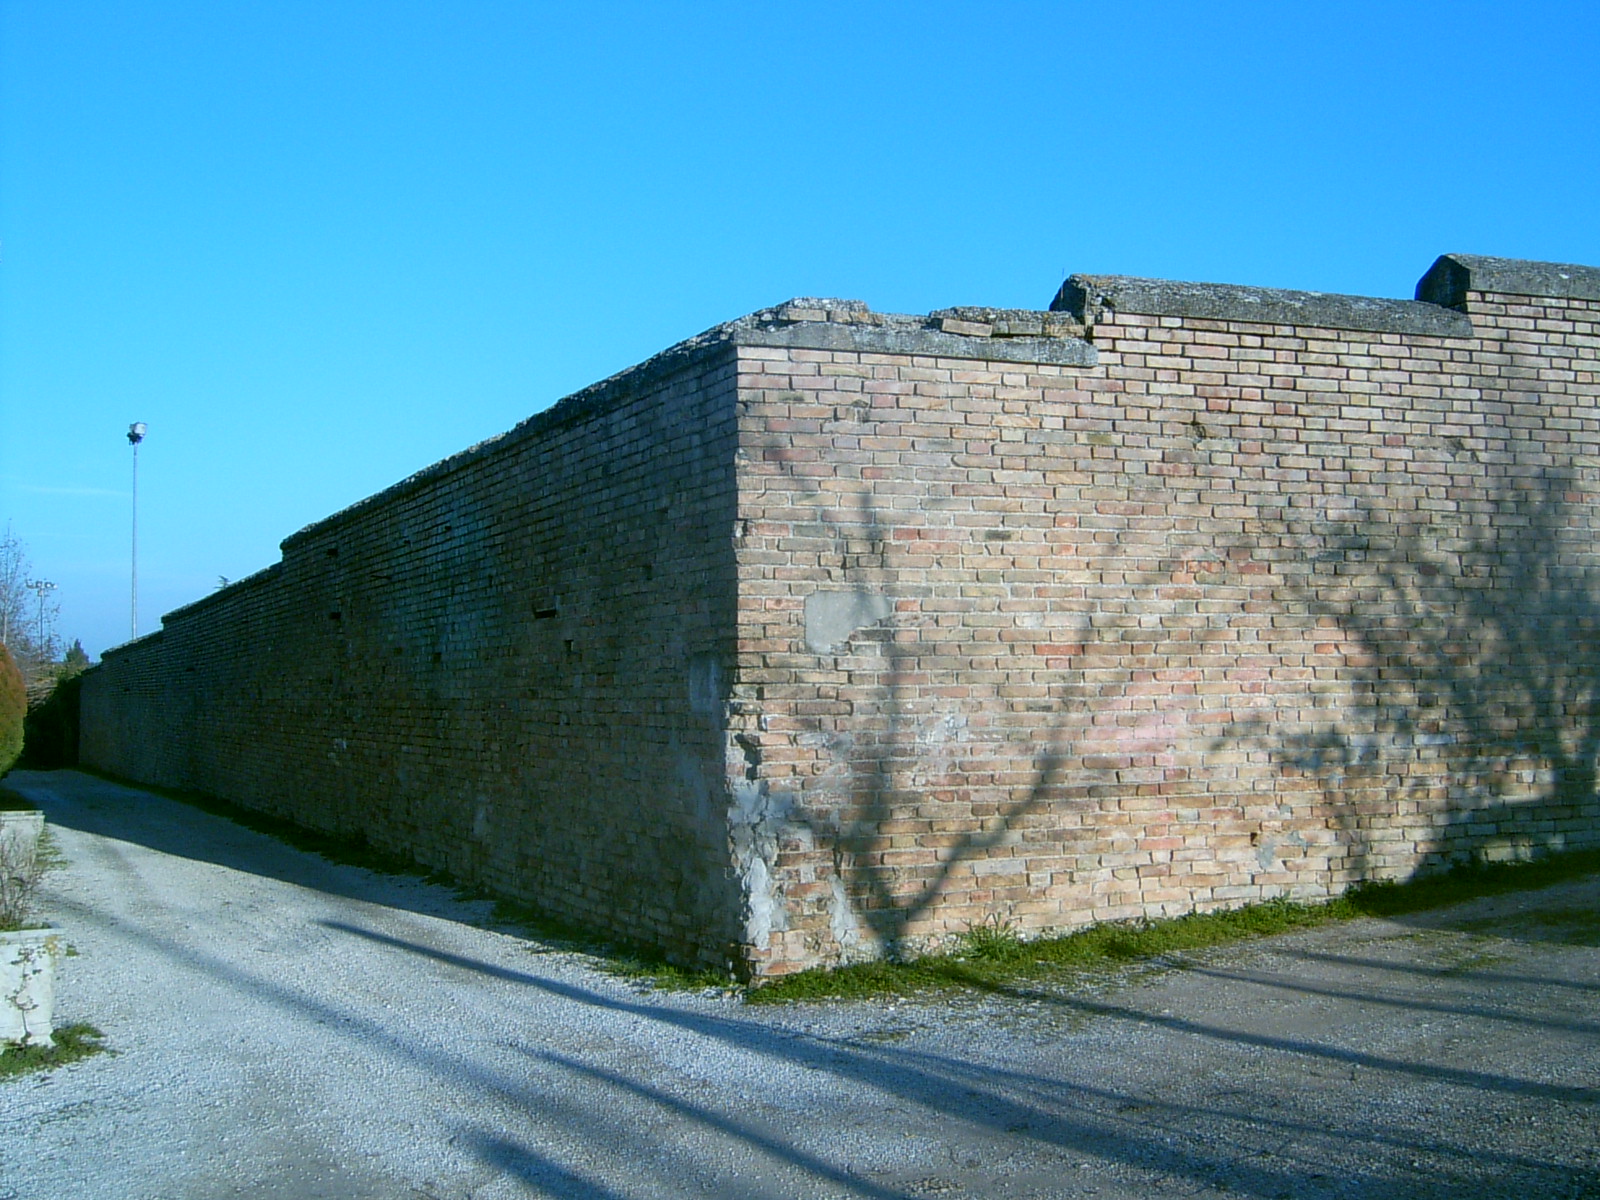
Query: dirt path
{"type": "Point", "coordinates": [287, 1028]}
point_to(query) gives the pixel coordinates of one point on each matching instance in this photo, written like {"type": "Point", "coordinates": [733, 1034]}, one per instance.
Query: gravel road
{"type": "Point", "coordinates": [290, 1029]}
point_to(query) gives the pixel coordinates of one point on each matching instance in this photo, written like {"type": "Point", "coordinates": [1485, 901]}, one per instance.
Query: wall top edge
{"type": "Point", "coordinates": [238, 586]}
{"type": "Point", "coordinates": [1452, 276]}
{"type": "Point", "coordinates": [595, 398]}
{"type": "Point", "coordinates": [144, 639]}
{"type": "Point", "coordinates": [975, 334]}
{"type": "Point", "coordinates": [1088, 296]}
{"type": "Point", "coordinates": [983, 334]}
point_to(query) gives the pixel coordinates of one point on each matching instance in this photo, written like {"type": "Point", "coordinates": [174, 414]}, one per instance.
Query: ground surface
{"type": "Point", "coordinates": [290, 1029]}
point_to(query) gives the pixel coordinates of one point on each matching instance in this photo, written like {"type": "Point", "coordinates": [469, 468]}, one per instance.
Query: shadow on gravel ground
{"type": "Point", "coordinates": [108, 809]}
{"type": "Point", "coordinates": [292, 1028]}
{"type": "Point", "coordinates": [959, 1091]}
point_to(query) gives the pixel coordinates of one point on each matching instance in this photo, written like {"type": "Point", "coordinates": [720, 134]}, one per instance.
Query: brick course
{"type": "Point", "coordinates": [831, 630]}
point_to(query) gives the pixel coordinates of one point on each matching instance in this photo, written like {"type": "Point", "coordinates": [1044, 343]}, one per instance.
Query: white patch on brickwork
{"type": "Point", "coordinates": [842, 919]}
{"type": "Point", "coordinates": [941, 743]}
{"type": "Point", "coordinates": [705, 684]}
{"type": "Point", "coordinates": [832, 617]}
{"type": "Point", "coordinates": [761, 902]}
{"type": "Point", "coordinates": [1267, 849]}
{"type": "Point", "coordinates": [755, 819]}
{"type": "Point", "coordinates": [694, 783]}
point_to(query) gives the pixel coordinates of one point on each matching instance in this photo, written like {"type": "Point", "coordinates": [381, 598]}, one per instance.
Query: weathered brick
{"type": "Point", "coordinates": [1246, 609]}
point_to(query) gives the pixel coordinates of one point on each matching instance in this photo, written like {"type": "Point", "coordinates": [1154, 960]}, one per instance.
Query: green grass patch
{"type": "Point", "coordinates": [72, 1042]}
{"type": "Point", "coordinates": [659, 973]}
{"type": "Point", "coordinates": [990, 961]}
{"type": "Point", "coordinates": [1569, 926]}
{"type": "Point", "coordinates": [49, 854]}
{"type": "Point", "coordinates": [1468, 882]}
{"type": "Point", "coordinates": [992, 957]}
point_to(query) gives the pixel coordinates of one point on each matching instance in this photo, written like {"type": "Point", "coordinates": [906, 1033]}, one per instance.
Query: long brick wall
{"type": "Point", "coordinates": [509, 666]}
{"type": "Point", "coordinates": [831, 631]}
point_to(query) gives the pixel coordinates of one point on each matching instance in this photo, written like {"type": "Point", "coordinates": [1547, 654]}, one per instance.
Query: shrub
{"type": "Point", "coordinates": [22, 870]}
{"type": "Point", "coordinates": [13, 710]}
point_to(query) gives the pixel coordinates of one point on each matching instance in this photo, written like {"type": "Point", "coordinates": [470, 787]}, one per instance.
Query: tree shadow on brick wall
{"type": "Point", "coordinates": [893, 784]}
{"type": "Point", "coordinates": [1473, 667]}
{"type": "Point", "coordinates": [920, 762]}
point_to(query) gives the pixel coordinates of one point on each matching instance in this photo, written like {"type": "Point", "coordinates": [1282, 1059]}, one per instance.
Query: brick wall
{"type": "Point", "coordinates": [829, 629]}
{"type": "Point", "coordinates": [1284, 592]}
{"type": "Point", "coordinates": [509, 666]}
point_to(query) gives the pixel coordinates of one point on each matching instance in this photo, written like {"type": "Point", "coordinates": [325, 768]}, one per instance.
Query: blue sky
{"type": "Point", "coordinates": [318, 246]}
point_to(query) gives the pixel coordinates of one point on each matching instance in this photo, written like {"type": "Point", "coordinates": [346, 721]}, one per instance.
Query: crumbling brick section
{"type": "Point", "coordinates": [834, 632]}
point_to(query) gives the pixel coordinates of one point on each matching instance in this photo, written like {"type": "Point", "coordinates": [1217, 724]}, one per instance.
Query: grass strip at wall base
{"type": "Point", "coordinates": [994, 957]}
{"type": "Point", "coordinates": [990, 958]}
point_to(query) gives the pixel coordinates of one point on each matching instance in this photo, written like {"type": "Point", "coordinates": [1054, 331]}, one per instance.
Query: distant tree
{"type": "Point", "coordinates": [13, 589]}
{"type": "Point", "coordinates": [13, 710]}
{"type": "Point", "coordinates": [27, 617]}
{"type": "Point", "coordinates": [76, 659]}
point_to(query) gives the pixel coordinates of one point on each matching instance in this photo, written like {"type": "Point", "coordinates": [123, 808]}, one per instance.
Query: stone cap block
{"type": "Point", "coordinates": [1007, 322]}
{"type": "Point", "coordinates": [982, 334]}
{"type": "Point", "coordinates": [1452, 276]}
{"type": "Point", "coordinates": [913, 336]}
{"type": "Point", "coordinates": [1087, 296]}
{"type": "Point", "coordinates": [818, 308]}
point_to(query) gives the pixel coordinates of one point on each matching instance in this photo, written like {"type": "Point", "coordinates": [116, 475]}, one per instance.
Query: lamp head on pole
{"type": "Point", "coordinates": [135, 433]}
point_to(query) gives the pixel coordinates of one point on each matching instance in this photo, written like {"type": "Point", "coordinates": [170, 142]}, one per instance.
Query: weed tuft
{"type": "Point", "coordinates": [992, 940]}
{"type": "Point", "coordinates": [72, 1042]}
{"type": "Point", "coordinates": [659, 974]}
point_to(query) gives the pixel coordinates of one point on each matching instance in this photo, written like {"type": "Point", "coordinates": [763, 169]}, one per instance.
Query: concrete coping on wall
{"type": "Point", "coordinates": [808, 323]}
{"type": "Point", "coordinates": [232, 591]}
{"type": "Point", "coordinates": [1452, 276]}
{"type": "Point", "coordinates": [973, 333]}
{"type": "Point", "coordinates": [144, 639]}
{"type": "Point", "coordinates": [1088, 297]}
{"type": "Point", "coordinates": [185, 611]}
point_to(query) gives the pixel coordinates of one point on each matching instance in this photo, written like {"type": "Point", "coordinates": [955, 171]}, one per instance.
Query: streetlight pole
{"type": "Point", "coordinates": [135, 436]}
{"type": "Point", "coordinates": [41, 588]}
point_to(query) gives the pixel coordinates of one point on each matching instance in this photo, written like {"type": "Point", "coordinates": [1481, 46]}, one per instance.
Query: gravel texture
{"type": "Point", "coordinates": [291, 1029]}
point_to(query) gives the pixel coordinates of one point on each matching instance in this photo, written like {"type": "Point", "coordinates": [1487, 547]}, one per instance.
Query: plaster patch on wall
{"type": "Point", "coordinates": [695, 783]}
{"type": "Point", "coordinates": [831, 617]}
{"type": "Point", "coordinates": [706, 684]}
{"type": "Point", "coordinates": [842, 919]}
{"type": "Point", "coordinates": [755, 820]}
{"type": "Point", "coordinates": [1158, 730]}
{"type": "Point", "coordinates": [1268, 848]}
